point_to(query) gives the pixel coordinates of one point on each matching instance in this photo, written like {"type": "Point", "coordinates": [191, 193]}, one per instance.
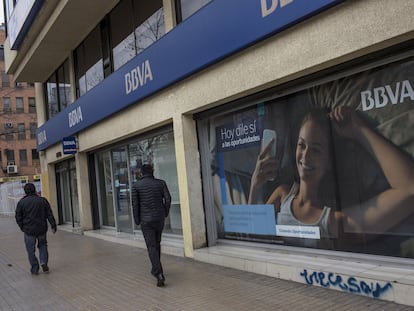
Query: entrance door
{"type": "Point", "coordinates": [68, 193]}
{"type": "Point", "coordinates": [122, 190]}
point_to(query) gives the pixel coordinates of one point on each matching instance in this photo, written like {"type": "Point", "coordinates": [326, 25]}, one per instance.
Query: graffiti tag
{"type": "Point", "coordinates": [348, 284]}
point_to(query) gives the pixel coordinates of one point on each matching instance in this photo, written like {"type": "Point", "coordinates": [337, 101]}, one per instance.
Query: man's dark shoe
{"type": "Point", "coordinates": [45, 268]}
{"type": "Point", "coordinates": [160, 280]}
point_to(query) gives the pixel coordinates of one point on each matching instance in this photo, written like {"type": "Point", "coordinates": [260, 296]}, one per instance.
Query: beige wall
{"type": "Point", "coordinates": [349, 30]}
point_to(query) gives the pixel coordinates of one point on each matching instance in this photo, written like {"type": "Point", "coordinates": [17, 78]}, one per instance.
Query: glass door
{"type": "Point", "coordinates": [105, 189]}
{"type": "Point", "coordinates": [122, 190]}
{"type": "Point", "coordinates": [66, 183]}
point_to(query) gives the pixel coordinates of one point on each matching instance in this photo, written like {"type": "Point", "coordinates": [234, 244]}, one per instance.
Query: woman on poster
{"type": "Point", "coordinates": [302, 204]}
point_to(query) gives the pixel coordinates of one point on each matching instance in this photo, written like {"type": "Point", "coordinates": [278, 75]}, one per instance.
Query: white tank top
{"type": "Point", "coordinates": [286, 217]}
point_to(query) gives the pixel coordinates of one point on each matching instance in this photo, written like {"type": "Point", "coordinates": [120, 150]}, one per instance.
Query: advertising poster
{"type": "Point", "coordinates": [329, 167]}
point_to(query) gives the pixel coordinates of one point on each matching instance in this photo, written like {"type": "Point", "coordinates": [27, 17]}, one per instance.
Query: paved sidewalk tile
{"type": "Point", "coordinates": [93, 274]}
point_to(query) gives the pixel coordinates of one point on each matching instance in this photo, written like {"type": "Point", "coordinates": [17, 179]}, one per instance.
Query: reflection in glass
{"type": "Point", "coordinates": [189, 7]}
{"type": "Point", "coordinates": [150, 31]}
{"type": "Point", "coordinates": [159, 150]}
{"type": "Point", "coordinates": [105, 189]}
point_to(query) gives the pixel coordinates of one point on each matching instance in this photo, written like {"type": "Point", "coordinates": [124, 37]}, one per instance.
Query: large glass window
{"type": "Point", "coordinates": [89, 62]}
{"type": "Point", "coordinates": [118, 168]}
{"type": "Point", "coordinates": [57, 90]}
{"type": "Point", "coordinates": [122, 33]}
{"type": "Point", "coordinates": [186, 8]}
{"type": "Point", "coordinates": [329, 167]}
{"type": "Point", "coordinates": [135, 25]}
{"type": "Point", "coordinates": [129, 28]}
{"type": "Point", "coordinates": [149, 24]}
{"type": "Point", "coordinates": [159, 150]}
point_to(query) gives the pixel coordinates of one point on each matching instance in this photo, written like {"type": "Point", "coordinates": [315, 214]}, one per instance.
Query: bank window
{"type": "Point", "coordinates": [23, 156]}
{"type": "Point", "coordinates": [263, 161]}
{"type": "Point", "coordinates": [32, 105]}
{"type": "Point", "coordinates": [6, 105]}
{"type": "Point", "coordinates": [89, 62]}
{"type": "Point", "coordinates": [57, 92]}
{"type": "Point", "coordinates": [19, 105]}
{"type": "Point", "coordinates": [159, 150]}
{"type": "Point", "coordinates": [149, 23]}
{"type": "Point", "coordinates": [21, 131]}
{"type": "Point", "coordinates": [186, 8]}
{"type": "Point", "coordinates": [122, 33]}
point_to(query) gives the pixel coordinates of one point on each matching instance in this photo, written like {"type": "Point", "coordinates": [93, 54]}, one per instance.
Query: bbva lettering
{"type": "Point", "coordinates": [75, 117]}
{"type": "Point", "coordinates": [137, 77]}
{"type": "Point", "coordinates": [379, 97]}
{"type": "Point", "coordinates": [269, 9]}
{"type": "Point", "coordinates": [41, 137]}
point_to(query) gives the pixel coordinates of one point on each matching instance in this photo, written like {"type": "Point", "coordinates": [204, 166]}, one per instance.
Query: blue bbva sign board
{"type": "Point", "coordinates": [218, 30]}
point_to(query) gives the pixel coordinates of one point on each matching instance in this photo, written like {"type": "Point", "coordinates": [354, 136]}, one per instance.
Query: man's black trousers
{"type": "Point", "coordinates": [152, 232]}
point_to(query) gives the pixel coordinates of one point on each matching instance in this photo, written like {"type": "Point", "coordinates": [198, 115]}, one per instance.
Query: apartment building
{"type": "Point", "coordinates": [18, 151]}
{"type": "Point", "coordinates": [281, 127]}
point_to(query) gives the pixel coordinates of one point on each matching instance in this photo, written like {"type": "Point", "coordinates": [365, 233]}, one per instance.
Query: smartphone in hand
{"type": "Point", "coordinates": [268, 136]}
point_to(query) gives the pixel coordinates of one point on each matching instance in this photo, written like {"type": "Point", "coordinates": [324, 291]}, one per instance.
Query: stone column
{"type": "Point", "coordinates": [189, 183]}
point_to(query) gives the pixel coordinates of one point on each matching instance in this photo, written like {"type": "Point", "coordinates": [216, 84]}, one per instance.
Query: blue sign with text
{"type": "Point", "coordinates": [218, 30]}
{"type": "Point", "coordinates": [254, 219]}
{"type": "Point", "coordinates": [69, 145]}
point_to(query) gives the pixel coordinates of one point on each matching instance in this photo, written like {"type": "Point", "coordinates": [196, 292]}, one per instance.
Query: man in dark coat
{"type": "Point", "coordinates": [151, 202]}
{"type": "Point", "coordinates": [32, 213]}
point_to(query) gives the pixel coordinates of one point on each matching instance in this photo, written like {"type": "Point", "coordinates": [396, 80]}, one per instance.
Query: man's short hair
{"type": "Point", "coordinates": [147, 169]}
{"type": "Point", "coordinates": [29, 188]}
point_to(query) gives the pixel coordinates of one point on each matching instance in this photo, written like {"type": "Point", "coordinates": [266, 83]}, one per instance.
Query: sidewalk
{"type": "Point", "coordinates": [94, 274]}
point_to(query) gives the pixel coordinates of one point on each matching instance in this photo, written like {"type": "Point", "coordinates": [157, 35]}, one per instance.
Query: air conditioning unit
{"type": "Point", "coordinates": [11, 169]}
{"type": "Point", "coordinates": [8, 125]}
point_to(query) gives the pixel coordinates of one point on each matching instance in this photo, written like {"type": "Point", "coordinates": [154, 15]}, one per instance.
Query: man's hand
{"type": "Point", "coordinates": [54, 230]}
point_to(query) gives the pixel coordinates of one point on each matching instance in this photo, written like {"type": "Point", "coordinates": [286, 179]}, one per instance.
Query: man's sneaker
{"type": "Point", "coordinates": [45, 268]}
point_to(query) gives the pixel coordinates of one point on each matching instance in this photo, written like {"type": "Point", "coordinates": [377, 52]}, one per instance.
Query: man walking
{"type": "Point", "coordinates": [32, 211]}
{"type": "Point", "coordinates": [151, 202]}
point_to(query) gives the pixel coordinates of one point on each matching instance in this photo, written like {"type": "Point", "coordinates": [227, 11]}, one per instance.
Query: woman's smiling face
{"type": "Point", "coordinates": [312, 152]}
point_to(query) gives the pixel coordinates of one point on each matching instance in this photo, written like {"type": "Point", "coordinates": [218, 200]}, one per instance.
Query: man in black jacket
{"type": "Point", "coordinates": [32, 211]}
{"type": "Point", "coordinates": [151, 202]}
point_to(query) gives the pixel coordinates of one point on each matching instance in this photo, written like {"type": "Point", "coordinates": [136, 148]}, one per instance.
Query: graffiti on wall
{"type": "Point", "coordinates": [348, 284]}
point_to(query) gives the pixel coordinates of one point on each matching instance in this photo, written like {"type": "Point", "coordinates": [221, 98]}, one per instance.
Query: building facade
{"type": "Point", "coordinates": [19, 158]}
{"type": "Point", "coordinates": [280, 124]}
